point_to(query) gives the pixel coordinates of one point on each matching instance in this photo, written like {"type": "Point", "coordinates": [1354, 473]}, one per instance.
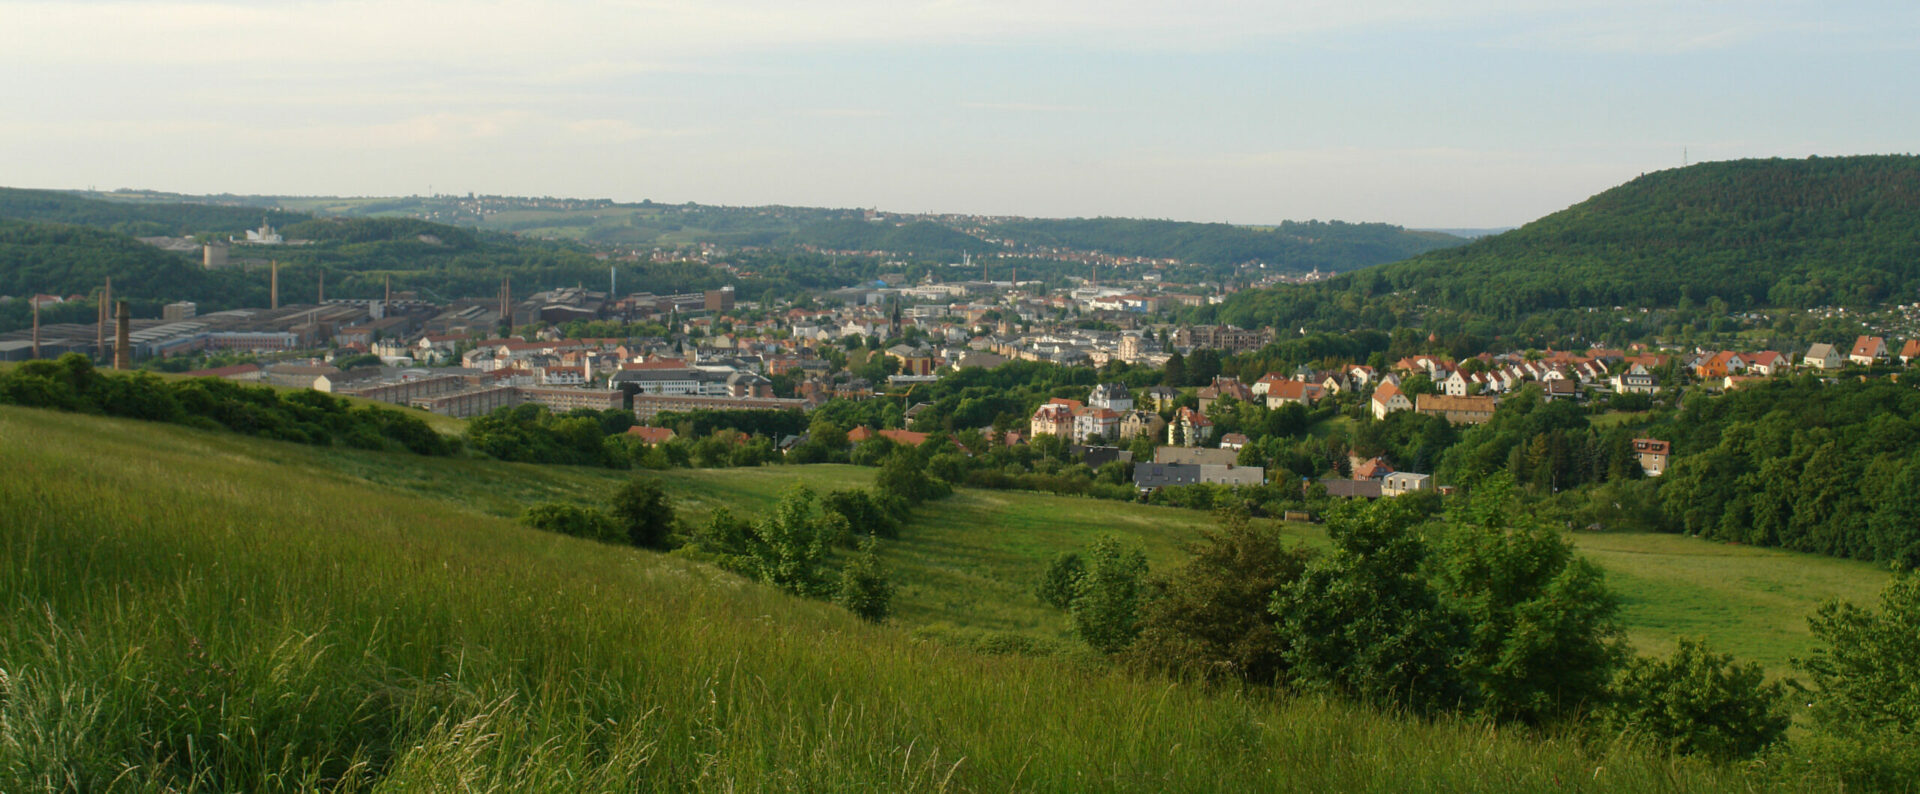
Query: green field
{"type": "Point", "coordinates": [970, 561]}
{"type": "Point", "coordinates": [195, 611]}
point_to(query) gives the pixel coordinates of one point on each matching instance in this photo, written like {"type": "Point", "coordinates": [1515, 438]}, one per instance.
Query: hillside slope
{"type": "Point", "coordinates": [1292, 245]}
{"type": "Point", "coordinates": [201, 612]}
{"type": "Point", "coordinates": [137, 218]}
{"type": "Point", "coordinates": [1843, 230]}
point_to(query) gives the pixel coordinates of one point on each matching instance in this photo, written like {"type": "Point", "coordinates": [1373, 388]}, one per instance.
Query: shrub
{"type": "Point", "coordinates": [1865, 672]}
{"type": "Point", "coordinates": [1063, 575]}
{"type": "Point", "coordinates": [1209, 618]}
{"type": "Point", "coordinates": [572, 520]}
{"type": "Point", "coordinates": [1697, 702]}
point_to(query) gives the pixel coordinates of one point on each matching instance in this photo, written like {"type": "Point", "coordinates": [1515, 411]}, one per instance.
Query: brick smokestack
{"type": "Point", "coordinates": [123, 338]}
{"type": "Point", "coordinates": [274, 285]}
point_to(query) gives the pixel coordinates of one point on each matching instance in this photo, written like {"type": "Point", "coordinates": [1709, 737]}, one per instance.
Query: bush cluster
{"type": "Point", "coordinates": [72, 383]}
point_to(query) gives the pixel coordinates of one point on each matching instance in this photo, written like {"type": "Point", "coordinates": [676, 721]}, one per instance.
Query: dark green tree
{"type": "Point", "coordinates": [865, 588]}
{"type": "Point", "coordinates": [1209, 618]}
{"type": "Point", "coordinates": [643, 513]}
{"type": "Point", "coordinates": [903, 476]}
{"type": "Point", "coordinates": [1362, 622]}
{"type": "Point", "coordinates": [790, 545]}
{"type": "Point", "coordinates": [1106, 603]}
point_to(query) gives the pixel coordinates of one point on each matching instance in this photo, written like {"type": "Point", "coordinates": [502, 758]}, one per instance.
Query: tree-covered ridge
{"type": "Point", "coordinates": [60, 259]}
{"type": "Point", "coordinates": [137, 219]}
{"type": "Point", "coordinates": [379, 230]}
{"type": "Point", "coordinates": [922, 238]}
{"type": "Point", "coordinates": [1292, 245]}
{"type": "Point", "coordinates": [1795, 233]}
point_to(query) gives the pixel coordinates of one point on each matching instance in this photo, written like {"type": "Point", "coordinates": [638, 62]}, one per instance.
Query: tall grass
{"type": "Point", "coordinates": [188, 611]}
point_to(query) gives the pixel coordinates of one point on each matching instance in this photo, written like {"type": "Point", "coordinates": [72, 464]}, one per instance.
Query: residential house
{"type": "Point", "coordinates": [651, 436]}
{"type": "Point", "coordinates": [1112, 397]}
{"type": "Point", "coordinates": [1372, 469]}
{"type": "Point", "coordinates": [1351, 489]}
{"type": "Point", "coordinates": [1188, 428]}
{"type": "Point", "coordinates": [1910, 351]}
{"type": "Point", "coordinates": [1293, 391]}
{"type": "Point", "coordinates": [1090, 421]}
{"type": "Point", "coordinates": [1868, 350]}
{"type": "Point", "coordinates": [562, 376]}
{"type": "Point", "coordinates": [1222, 388]}
{"type": "Point", "coordinates": [1055, 418]}
{"type": "Point", "coordinates": [1821, 356]}
{"type": "Point", "coordinates": [1388, 398]}
{"type": "Point", "coordinates": [1720, 365]}
{"type": "Point", "coordinates": [1767, 363]}
{"type": "Point", "coordinates": [1457, 410]}
{"type": "Point", "coordinates": [1405, 482]}
{"type": "Point", "coordinates": [1160, 398]}
{"type": "Point", "coordinates": [1636, 380]}
{"type": "Point", "coordinates": [1652, 453]}
{"type": "Point", "coordinates": [1195, 455]}
{"type": "Point", "coordinates": [914, 360]}
{"type": "Point", "coordinates": [1150, 477]}
{"type": "Point", "coordinates": [1137, 423]}
{"type": "Point", "coordinates": [1233, 441]}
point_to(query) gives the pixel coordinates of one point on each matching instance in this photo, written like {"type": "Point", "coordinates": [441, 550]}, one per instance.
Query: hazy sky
{"type": "Point", "coordinates": [1418, 112]}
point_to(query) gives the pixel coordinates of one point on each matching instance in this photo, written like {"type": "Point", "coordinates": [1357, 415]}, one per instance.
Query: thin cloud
{"type": "Point", "coordinates": [1026, 107]}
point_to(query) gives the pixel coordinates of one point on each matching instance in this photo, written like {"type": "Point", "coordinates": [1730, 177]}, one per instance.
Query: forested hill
{"type": "Point", "coordinates": [137, 219]}
{"type": "Point", "coordinates": [1292, 245]}
{"type": "Point", "coordinates": [1796, 233]}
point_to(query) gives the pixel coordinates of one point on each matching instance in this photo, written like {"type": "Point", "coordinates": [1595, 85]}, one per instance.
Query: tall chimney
{"type": "Point", "coordinates": [387, 305]}
{"type": "Point", "coordinates": [322, 297]}
{"type": "Point", "coordinates": [274, 285]}
{"type": "Point", "coordinates": [100, 332]}
{"type": "Point", "coordinates": [36, 326]}
{"type": "Point", "coordinates": [123, 338]}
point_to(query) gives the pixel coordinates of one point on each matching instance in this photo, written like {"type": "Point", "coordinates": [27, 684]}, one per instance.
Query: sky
{"type": "Point", "coordinates": [1424, 113]}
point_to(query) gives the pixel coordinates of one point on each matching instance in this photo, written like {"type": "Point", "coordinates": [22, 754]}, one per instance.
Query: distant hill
{"type": "Point", "coordinates": [66, 260]}
{"type": "Point", "coordinates": [137, 219]}
{"type": "Point", "coordinates": [1292, 245]}
{"type": "Point", "coordinates": [919, 237]}
{"type": "Point", "coordinates": [1795, 233]}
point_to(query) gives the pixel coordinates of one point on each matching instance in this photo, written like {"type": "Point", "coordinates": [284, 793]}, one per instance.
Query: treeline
{"type": "Point", "coordinates": [1795, 233]}
{"type": "Point", "coordinates": [921, 239]}
{"type": "Point", "coordinates": [1550, 445]}
{"type": "Point", "coordinates": [307, 417]}
{"type": "Point", "coordinates": [1828, 468]}
{"type": "Point", "coordinates": [1291, 245]}
{"type": "Point", "coordinates": [381, 230]}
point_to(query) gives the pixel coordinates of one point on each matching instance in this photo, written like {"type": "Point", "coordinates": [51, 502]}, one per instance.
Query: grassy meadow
{"type": "Point", "coordinates": [970, 562]}
{"type": "Point", "coordinates": [193, 611]}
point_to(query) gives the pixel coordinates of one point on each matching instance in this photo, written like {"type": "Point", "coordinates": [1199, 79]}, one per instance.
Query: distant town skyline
{"type": "Point", "coordinates": [1472, 114]}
